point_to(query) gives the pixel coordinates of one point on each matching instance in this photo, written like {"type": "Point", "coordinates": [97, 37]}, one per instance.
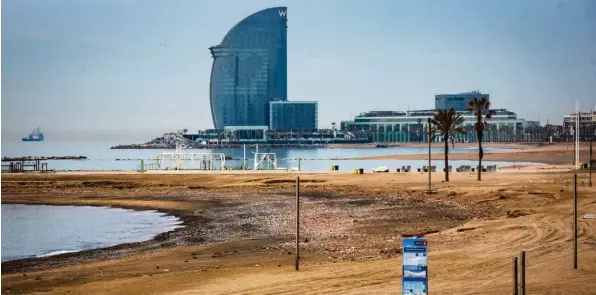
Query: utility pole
{"type": "Point", "coordinates": [429, 161]}
{"type": "Point", "coordinates": [575, 221]}
{"type": "Point", "coordinates": [297, 223]}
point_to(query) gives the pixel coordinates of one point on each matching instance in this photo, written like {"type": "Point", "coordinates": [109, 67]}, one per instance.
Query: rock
{"type": "Point", "coordinates": [166, 270]}
{"type": "Point", "coordinates": [24, 274]}
{"type": "Point", "coordinates": [194, 257]}
{"type": "Point", "coordinates": [256, 265]}
{"type": "Point", "coordinates": [37, 278]}
{"type": "Point", "coordinates": [501, 197]}
{"type": "Point", "coordinates": [279, 265]}
{"type": "Point", "coordinates": [157, 267]}
{"type": "Point", "coordinates": [289, 253]}
{"type": "Point", "coordinates": [217, 267]}
{"type": "Point", "coordinates": [355, 220]}
{"type": "Point", "coordinates": [186, 260]}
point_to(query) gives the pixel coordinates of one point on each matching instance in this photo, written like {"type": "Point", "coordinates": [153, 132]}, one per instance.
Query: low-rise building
{"type": "Point", "coordinates": [410, 126]}
{"type": "Point", "coordinates": [293, 115]}
{"type": "Point", "coordinates": [587, 125]}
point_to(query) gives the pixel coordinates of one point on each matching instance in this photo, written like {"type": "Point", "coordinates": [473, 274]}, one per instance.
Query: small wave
{"type": "Point", "coordinates": [58, 252]}
{"type": "Point", "coordinates": [173, 227]}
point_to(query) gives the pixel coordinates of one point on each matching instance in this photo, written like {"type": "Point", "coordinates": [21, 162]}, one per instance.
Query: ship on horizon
{"type": "Point", "coordinates": [36, 135]}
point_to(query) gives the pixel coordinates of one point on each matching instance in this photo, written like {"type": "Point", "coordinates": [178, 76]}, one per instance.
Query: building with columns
{"type": "Point", "coordinates": [410, 126]}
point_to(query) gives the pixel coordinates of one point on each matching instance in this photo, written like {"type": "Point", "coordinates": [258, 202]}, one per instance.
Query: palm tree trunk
{"type": "Point", "coordinates": [446, 159]}
{"type": "Point", "coordinates": [480, 156]}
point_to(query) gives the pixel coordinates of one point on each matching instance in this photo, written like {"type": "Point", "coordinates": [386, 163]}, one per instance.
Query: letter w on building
{"type": "Point", "coordinates": [282, 13]}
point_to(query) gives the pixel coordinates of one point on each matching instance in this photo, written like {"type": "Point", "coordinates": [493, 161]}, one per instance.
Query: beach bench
{"type": "Point", "coordinates": [477, 167]}
{"type": "Point", "coordinates": [461, 168]}
{"type": "Point", "coordinates": [406, 168]}
{"type": "Point", "coordinates": [433, 168]}
{"type": "Point", "coordinates": [449, 167]}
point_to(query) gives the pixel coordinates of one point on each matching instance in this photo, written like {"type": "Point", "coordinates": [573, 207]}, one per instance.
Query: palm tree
{"type": "Point", "coordinates": [481, 109]}
{"type": "Point", "coordinates": [447, 122]}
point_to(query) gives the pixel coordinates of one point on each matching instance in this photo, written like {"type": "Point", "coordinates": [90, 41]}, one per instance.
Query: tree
{"type": "Point", "coordinates": [481, 109]}
{"type": "Point", "coordinates": [446, 123]}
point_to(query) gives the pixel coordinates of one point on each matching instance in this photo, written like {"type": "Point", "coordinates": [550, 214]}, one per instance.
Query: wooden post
{"type": "Point", "coordinates": [515, 276]}
{"type": "Point", "coordinates": [575, 221]}
{"type": "Point", "coordinates": [429, 163]}
{"type": "Point", "coordinates": [522, 273]}
{"type": "Point", "coordinates": [297, 223]}
{"type": "Point", "coordinates": [590, 165]}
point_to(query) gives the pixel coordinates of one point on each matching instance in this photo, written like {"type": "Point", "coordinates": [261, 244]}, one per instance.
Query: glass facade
{"type": "Point", "coordinates": [459, 102]}
{"type": "Point", "coordinates": [293, 115]}
{"type": "Point", "coordinates": [249, 69]}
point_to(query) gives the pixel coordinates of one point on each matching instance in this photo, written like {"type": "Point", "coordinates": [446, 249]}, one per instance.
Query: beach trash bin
{"type": "Point", "coordinates": [331, 168]}
{"type": "Point", "coordinates": [336, 167]}
{"type": "Point", "coordinates": [355, 171]}
{"type": "Point", "coordinates": [360, 171]}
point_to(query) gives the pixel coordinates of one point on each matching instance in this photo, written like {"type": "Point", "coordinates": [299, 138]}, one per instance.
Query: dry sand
{"type": "Point", "coordinates": [239, 231]}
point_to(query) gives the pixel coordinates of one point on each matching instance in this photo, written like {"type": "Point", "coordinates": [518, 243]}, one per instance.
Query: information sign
{"type": "Point", "coordinates": [415, 266]}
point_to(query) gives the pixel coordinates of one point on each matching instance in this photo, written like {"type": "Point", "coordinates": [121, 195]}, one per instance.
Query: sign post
{"type": "Point", "coordinates": [414, 269]}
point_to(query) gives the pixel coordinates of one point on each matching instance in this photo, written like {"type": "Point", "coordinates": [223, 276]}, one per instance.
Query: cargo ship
{"type": "Point", "coordinates": [36, 135]}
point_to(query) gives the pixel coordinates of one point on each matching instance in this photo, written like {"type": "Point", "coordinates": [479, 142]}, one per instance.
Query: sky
{"type": "Point", "coordinates": [96, 68]}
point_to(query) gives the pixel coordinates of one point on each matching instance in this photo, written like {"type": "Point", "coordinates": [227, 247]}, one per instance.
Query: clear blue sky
{"type": "Point", "coordinates": [72, 66]}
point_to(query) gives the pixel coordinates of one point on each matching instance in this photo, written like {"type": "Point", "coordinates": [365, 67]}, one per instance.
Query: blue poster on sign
{"type": "Point", "coordinates": [415, 266]}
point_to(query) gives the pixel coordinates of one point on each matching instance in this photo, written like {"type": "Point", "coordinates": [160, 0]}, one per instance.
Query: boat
{"type": "Point", "coordinates": [381, 169]}
{"type": "Point", "coordinates": [36, 135]}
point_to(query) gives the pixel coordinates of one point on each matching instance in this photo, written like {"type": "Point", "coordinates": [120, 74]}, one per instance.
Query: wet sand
{"type": "Point", "coordinates": [556, 154]}
{"type": "Point", "coordinates": [239, 234]}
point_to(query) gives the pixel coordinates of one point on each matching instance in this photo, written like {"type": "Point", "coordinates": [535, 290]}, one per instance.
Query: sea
{"type": "Point", "coordinates": [101, 157]}
{"type": "Point", "coordinates": [39, 230]}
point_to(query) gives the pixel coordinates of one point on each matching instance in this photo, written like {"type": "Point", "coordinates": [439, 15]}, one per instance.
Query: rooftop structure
{"type": "Point", "coordinates": [459, 101]}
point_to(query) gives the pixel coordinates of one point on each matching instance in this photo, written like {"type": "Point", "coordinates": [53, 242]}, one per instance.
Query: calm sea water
{"type": "Point", "coordinates": [101, 157]}
{"type": "Point", "coordinates": [40, 230]}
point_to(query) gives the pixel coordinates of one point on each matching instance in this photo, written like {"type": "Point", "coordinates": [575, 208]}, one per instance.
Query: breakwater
{"type": "Point", "coordinates": [42, 158]}
{"type": "Point", "coordinates": [214, 146]}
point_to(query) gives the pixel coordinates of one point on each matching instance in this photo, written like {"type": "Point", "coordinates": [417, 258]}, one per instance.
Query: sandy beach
{"type": "Point", "coordinates": [239, 233]}
{"type": "Point", "coordinates": [557, 154]}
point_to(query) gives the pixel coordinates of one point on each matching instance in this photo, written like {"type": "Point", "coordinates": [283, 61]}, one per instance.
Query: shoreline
{"type": "Point", "coordinates": [96, 254]}
{"type": "Point", "coordinates": [83, 252]}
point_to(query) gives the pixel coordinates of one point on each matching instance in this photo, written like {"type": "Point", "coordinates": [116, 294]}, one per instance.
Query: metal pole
{"type": "Point", "coordinates": [429, 162]}
{"type": "Point", "coordinates": [575, 221]}
{"type": "Point", "coordinates": [297, 223]}
{"type": "Point", "coordinates": [515, 276]}
{"type": "Point", "coordinates": [522, 273]}
{"type": "Point", "coordinates": [244, 158]}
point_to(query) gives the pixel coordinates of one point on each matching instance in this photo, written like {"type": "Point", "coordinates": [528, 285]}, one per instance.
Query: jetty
{"type": "Point", "coordinates": [42, 158]}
